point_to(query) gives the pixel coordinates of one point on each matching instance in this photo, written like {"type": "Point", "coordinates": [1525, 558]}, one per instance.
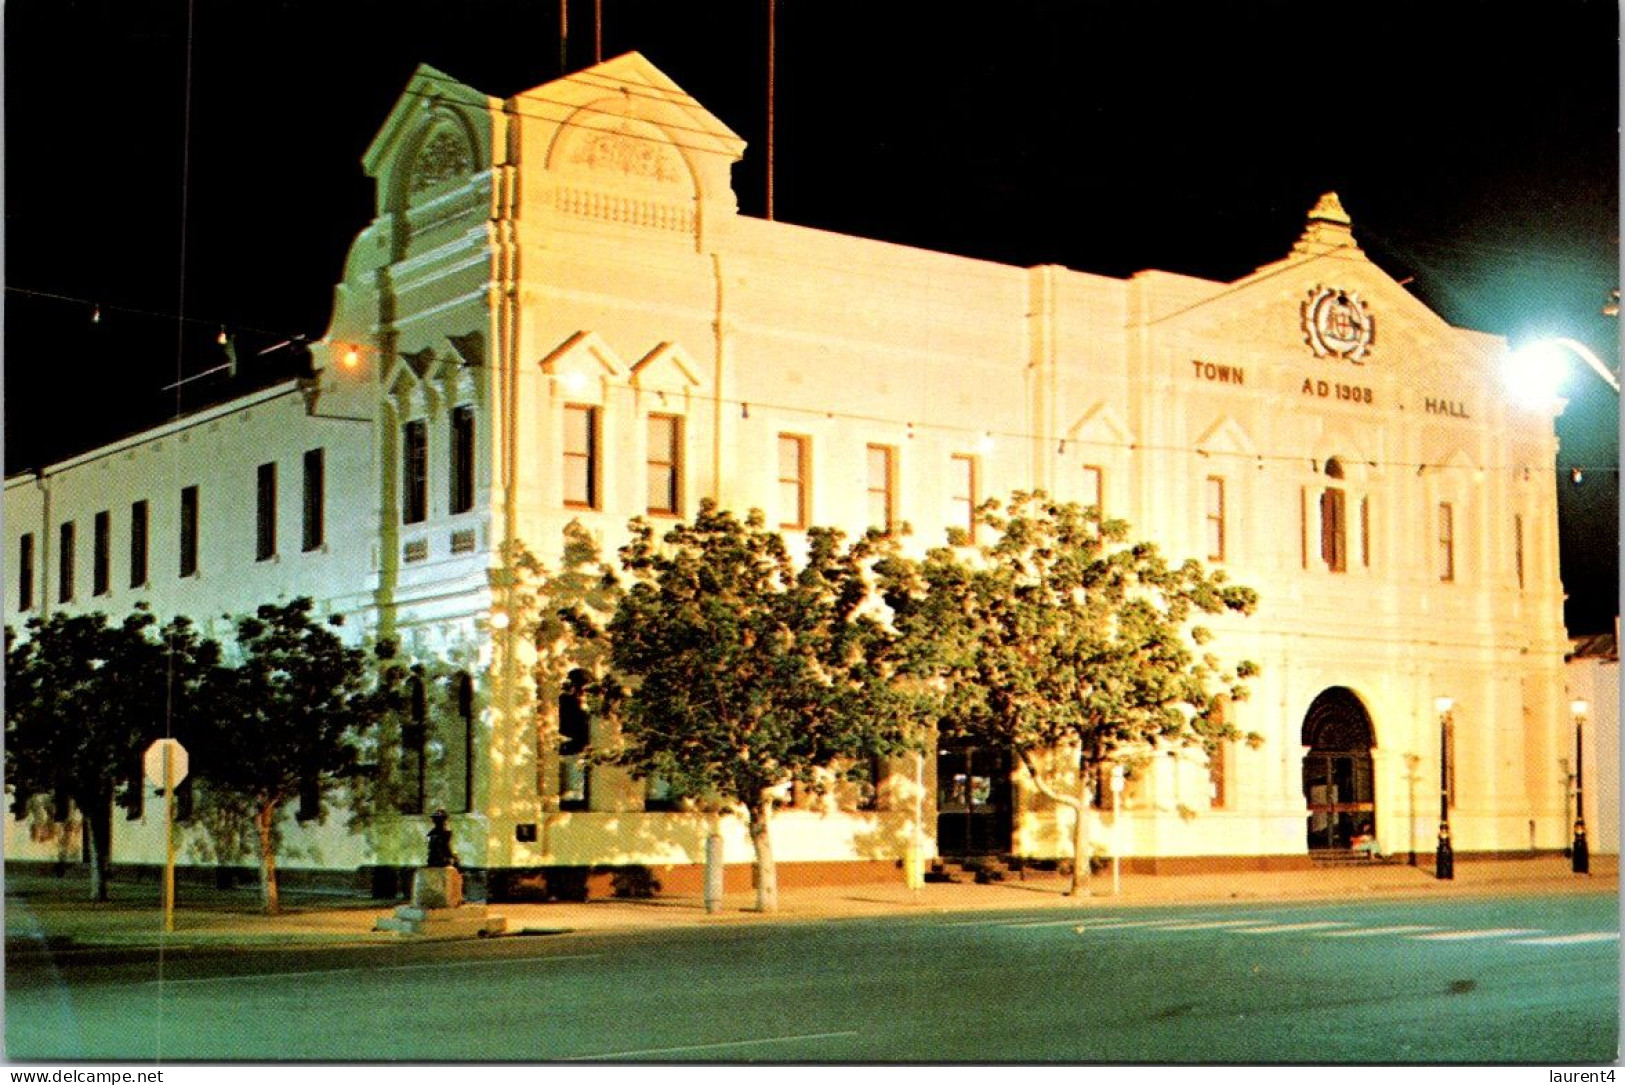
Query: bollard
{"type": "Point", "coordinates": [713, 873]}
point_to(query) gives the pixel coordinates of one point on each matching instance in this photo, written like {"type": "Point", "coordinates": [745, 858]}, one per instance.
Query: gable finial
{"type": "Point", "coordinates": [1329, 228]}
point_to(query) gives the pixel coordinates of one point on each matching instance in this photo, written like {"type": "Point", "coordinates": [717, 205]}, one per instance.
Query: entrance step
{"type": "Point", "coordinates": [1339, 857]}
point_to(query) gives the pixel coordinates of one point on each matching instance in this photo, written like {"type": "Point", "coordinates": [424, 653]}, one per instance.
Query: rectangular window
{"type": "Point", "coordinates": [265, 514]}
{"type": "Point", "coordinates": [315, 500]}
{"type": "Point", "coordinates": [101, 557]}
{"type": "Point", "coordinates": [1447, 542]}
{"type": "Point", "coordinates": [1218, 775]}
{"type": "Point", "coordinates": [1517, 548]}
{"type": "Point", "coordinates": [25, 572]}
{"type": "Point", "coordinates": [1094, 489]}
{"type": "Point", "coordinates": [581, 457]}
{"type": "Point", "coordinates": [415, 472]}
{"type": "Point", "coordinates": [1333, 531]}
{"type": "Point", "coordinates": [189, 531]}
{"type": "Point", "coordinates": [882, 487]}
{"type": "Point", "coordinates": [1215, 518]}
{"type": "Point", "coordinates": [462, 458]}
{"type": "Point", "coordinates": [665, 467]}
{"type": "Point", "coordinates": [1365, 532]}
{"type": "Point", "coordinates": [793, 481]}
{"type": "Point", "coordinates": [962, 495]}
{"type": "Point", "coordinates": [65, 568]}
{"type": "Point", "coordinates": [574, 737]}
{"type": "Point", "coordinates": [138, 544]}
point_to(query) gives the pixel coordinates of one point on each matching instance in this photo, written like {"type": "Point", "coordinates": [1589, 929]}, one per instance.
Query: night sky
{"type": "Point", "coordinates": [1475, 145]}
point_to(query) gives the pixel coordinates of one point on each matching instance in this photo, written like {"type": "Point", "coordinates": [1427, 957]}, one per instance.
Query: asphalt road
{"type": "Point", "coordinates": [1504, 980]}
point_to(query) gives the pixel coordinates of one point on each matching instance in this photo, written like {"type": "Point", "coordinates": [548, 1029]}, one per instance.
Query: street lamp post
{"type": "Point", "coordinates": [1581, 851]}
{"type": "Point", "coordinates": [1445, 857]}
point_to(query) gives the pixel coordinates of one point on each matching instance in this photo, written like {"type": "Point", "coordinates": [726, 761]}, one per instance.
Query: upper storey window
{"type": "Point", "coordinates": [1344, 520]}
{"type": "Point", "coordinates": [581, 456]}
{"type": "Point", "coordinates": [793, 481]}
{"type": "Point", "coordinates": [665, 466]}
{"type": "Point", "coordinates": [882, 488]}
{"type": "Point", "coordinates": [1447, 541]}
{"type": "Point", "coordinates": [414, 472]}
{"type": "Point", "coordinates": [462, 458]}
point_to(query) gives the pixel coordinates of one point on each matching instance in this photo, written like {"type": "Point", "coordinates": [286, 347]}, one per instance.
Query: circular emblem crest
{"type": "Point", "coordinates": [1338, 324]}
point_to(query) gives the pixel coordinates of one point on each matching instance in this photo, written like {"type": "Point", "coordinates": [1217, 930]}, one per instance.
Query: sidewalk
{"type": "Point", "coordinates": [48, 913]}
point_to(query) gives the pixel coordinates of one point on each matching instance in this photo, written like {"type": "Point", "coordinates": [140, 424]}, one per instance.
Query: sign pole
{"type": "Point", "coordinates": [169, 838]}
{"type": "Point", "coordinates": [165, 764]}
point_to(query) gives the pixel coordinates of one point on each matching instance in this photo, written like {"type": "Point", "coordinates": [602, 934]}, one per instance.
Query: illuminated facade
{"type": "Point", "coordinates": [558, 314]}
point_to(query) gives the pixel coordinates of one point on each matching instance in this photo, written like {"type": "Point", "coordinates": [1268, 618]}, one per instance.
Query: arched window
{"type": "Point", "coordinates": [1344, 518]}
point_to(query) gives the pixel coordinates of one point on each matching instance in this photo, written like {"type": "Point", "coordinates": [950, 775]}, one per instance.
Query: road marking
{"type": "Point", "coordinates": [1466, 936]}
{"type": "Point", "coordinates": [1233, 925]}
{"type": "Point", "coordinates": [706, 1047]}
{"type": "Point", "coordinates": [1104, 924]}
{"type": "Point", "coordinates": [376, 968]}
{"type": "Point", "coordinates": [1367, 932]}
{"type": "Point", "coordinates": [1292, 928]}
{"type": "Point", "coordinates": [1569, 939]}
{"type": "Point", "coordinates": [1079, 920]}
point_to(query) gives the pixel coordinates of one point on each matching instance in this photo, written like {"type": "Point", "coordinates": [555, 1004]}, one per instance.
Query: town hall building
{"type": "Point", "coordinates": [557, 314]}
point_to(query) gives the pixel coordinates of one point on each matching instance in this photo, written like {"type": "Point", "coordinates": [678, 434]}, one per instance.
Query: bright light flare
{"type": "Point", "coordinates": [1535, 373]}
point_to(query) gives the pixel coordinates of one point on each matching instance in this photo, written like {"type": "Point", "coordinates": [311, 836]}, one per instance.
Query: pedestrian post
{"type": "Point", "coordinates": [1117, 830]}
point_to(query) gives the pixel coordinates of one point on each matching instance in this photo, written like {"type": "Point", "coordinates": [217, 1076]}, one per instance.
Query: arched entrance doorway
{"type": "Point", "coordinates": [973, 799]}
{"type": "Point", "coordinates": [1338, 782]}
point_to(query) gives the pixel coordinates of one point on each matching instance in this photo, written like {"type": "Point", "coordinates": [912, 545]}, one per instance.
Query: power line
{"type": "Point", "coordinates": [910, 426]}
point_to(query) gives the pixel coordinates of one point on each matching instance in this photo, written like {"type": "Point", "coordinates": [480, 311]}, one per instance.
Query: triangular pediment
{"type": "Point", "coordinates": [584, 354]}
{"type": "Point", "coordinates": [1226, 437]}
{"type": "Point", "coordinates": [1101, 426]}
{"type": "Point", "coordinates": [667, 368]}
{"type": "Point", "coordinates": [470, 348]}
{"type": "Point", "coordinates": [1325, 299]}
{"type": "Point", "coordinates": [629, 85]}
{"type": "Point", "coordinates": [428, 88]}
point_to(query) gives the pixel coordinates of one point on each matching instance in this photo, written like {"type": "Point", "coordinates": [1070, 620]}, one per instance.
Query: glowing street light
{"type": "Point", "coordinates": [1536, 371]}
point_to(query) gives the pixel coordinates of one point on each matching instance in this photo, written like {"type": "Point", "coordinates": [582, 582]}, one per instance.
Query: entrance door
{"type": "Point", "coordinates": [1338, 783]}
{"type": "Point", "coordinates": [973, 800]}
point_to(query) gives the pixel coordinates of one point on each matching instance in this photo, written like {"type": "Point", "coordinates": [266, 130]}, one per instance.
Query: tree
{"type": "Point", "coordinates": [1064, 636]}
{"type": "Point", "coordinates": [735, 674]}
{"type": "Point", "coordinates": [286, 723]}
{"type": "Point", "coordinates": [564, 617]}
{"type": "Point", "coordinates": [85, 698]}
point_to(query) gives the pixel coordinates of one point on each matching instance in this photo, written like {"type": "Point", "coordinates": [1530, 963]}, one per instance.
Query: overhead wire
{"type": "Point", "coordinates": [910, 425]}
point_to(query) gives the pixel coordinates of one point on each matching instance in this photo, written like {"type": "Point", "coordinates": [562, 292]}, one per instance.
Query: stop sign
{"type": "Point", "coordinates": [152, 762]}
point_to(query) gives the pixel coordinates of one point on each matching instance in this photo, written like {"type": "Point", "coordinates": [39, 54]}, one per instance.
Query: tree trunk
{"type": "Point", "coordinates": [97, 814]}
{"type": "Point", "coordinates": [767, 881]}
{"type": "Point", "coordinates": [1081, 852]}
{"type": "Point", "coordinates": [266, 820]}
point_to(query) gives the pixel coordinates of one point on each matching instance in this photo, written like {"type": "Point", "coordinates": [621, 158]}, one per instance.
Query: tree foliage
{"type": "Point", "coordinates": [737, 673]}
{"type": "Point", "coordinates": [285, 722]}
{"type": "Point", "coordinates": [1064, 636]}
{"type": "Point", "coordinates": [84, 700]}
